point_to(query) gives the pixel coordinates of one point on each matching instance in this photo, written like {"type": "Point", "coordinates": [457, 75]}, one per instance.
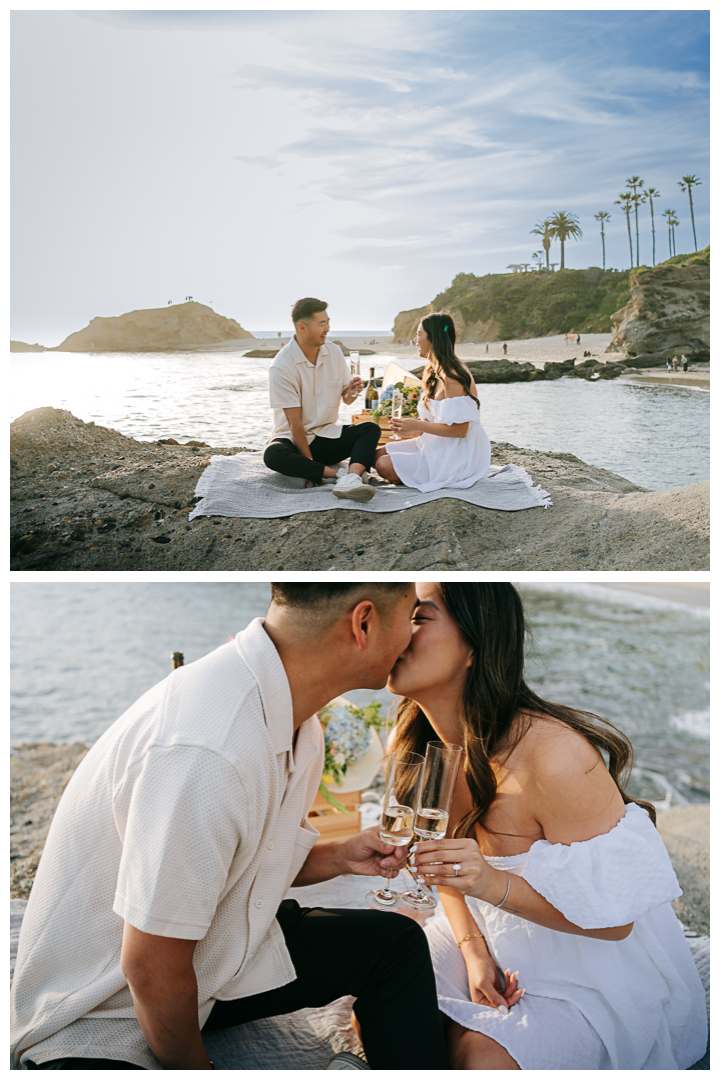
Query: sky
{"type": "Point", "coordinates": [248, 158]}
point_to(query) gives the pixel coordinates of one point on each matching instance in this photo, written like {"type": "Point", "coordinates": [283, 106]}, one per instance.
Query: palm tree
{"type": "Point", "coordinates": [562, 226]}
{"type": "Point", "coordinates": [638, 197]}
{"type": "Point", "coordinates": [543, 229]}
{"type": "Point", "coordinates": [625, 201]}
{"type": "Point", "coordinates": [672, 222]}
{"type": "Point", "coordinates": [653, 193]}
{"type": "Point", "coordinates": [602, 217]}
{"type": "Point", "coordinates": [686, 184]}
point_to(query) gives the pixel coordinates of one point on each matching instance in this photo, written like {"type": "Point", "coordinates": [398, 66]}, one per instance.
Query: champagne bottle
{"type": "Point", "coordinates": [371, 394]}
{"type": "Point", "coordinates": [178, 660]}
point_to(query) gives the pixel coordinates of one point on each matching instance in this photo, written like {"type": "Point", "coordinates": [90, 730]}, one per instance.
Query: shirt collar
{"type": "Point", "coordinates": [300, 358]}
{"type": "Point", "coordinates": [261, 657]}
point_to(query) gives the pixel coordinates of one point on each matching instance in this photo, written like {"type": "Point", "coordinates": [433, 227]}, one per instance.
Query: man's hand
{"type": "Point", "coordinates": [365, 853]}
{"type": "Point", "coordinates": [353, 388]}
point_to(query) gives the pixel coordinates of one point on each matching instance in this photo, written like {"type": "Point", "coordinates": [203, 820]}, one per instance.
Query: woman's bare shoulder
{"type": "Point", "coordinates": [454, 388]}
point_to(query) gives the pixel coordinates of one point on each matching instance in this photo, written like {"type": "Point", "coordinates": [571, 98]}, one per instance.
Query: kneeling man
{"type": "Point", "coordinates": [308, 378]}
{"type": "Point", "coordinates": [159, 908]}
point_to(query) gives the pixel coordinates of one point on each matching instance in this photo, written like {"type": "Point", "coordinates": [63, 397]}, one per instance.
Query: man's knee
{"type": "Point", "coordinates": [273, 453]}
{"type": "Point", "coordinates": [368, 429]}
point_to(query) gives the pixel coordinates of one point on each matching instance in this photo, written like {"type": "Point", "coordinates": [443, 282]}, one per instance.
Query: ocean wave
{"type": "Point", "coordinates": [694, 722]}
{"type": "Point", "coordinates": [618, 597]}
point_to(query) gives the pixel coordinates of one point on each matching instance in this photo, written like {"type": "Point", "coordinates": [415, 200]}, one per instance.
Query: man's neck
{"type": "Point", "coordinates": [310, 352]}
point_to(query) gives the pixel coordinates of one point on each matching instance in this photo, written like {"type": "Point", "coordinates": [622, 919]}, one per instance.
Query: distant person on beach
{"type": "Point", "coordinates": [557, 947]}
{"type": "Point", "coordinates": [684, 361]}
{"type": "Point", "coordinates": [159, 907]}
{"type": "Point", "coordinates": [578, 339]}
{"type": "Point", "coordinates": [446, 445]}
{"type": "Point", "coordinates": [487, 347]}
{"type": "Point", "coordinates": [505, 350]}
{"type": "Point", "coordinates": [674, 363]}
{"type": "Point", "coordinates": [309, 378]}
{"type": "Point", "coordinates": [669, 364]}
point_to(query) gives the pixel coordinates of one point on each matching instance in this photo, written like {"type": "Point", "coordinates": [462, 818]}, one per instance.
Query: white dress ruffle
{"type": "Point", "coordinates": [430, 462]}
{"type": "Point", "coordinates": [588, 1004]}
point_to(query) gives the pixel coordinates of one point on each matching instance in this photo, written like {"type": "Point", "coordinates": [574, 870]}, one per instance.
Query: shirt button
{"type": "Point", "coordinates": [259, 903]}
{"type": "Point", "coordinates": [271, 845]}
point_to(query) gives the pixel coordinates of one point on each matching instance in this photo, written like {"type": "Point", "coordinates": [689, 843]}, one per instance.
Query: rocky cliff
{"type": "Point", "coordinates": [512, 306]}
{"type": "Point", "coordinates": [181, 326]}
{"type": "Point", "coordinates": [668, 312]}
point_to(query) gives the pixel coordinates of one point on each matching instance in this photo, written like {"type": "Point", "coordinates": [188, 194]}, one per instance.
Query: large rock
{"type": "Point", "coordinates": [407, 322]}
{"type": "Point", "coordinates": [499, 371]}
{"type": "Point", "coordinates": [669, 312]}
{"type": "Point", "coordinates": [22, 346]}
{"type": "Point", "coordinates": [181, 326]}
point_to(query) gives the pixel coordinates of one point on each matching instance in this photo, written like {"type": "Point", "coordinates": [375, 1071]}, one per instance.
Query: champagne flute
{"type": "Point", "coordinates": [398, 813]}
{"type": "Point", "coordinates": [355, 364]}
{"type": "Point", "coordinates": [442, 762]}
{"type": "Point", "coordinates": [398, 400]}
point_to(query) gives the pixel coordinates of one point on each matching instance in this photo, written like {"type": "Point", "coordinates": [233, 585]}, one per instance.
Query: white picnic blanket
{"type": "Point", "coordinates": [242, 486]}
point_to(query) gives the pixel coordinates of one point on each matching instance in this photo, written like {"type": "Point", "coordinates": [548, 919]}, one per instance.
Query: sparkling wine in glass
{"type": "Point", "coordinates": [398, 400]}
{"type": "Point", "coordinates": [442, 762]}
{"type": "Point", "coordinates": [355, 364]}
{"type": "Point", "coordinates": [398, 813]}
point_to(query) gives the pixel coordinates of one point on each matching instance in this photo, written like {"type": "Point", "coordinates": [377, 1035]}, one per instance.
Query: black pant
{"type": "Point", "coordinates": [378, 957]}
{"type": "Point", "coordinates": [358, 441]}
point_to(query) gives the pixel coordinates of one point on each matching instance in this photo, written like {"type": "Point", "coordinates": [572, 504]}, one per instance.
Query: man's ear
{"type": "Point", "coordinates": [360, 621]}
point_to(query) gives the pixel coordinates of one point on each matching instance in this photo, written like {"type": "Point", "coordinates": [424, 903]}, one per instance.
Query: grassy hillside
{"type": "Point", "coordinates": [535, 304]}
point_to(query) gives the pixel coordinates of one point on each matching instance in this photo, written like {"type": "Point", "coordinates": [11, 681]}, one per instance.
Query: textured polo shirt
{"type": "Point", "coordinates": [187, 819]}
{"type": "Point", "coordinates": [314, 388]}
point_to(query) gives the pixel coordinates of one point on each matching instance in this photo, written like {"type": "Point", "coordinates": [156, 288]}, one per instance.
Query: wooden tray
{"type": "Point", "coordinates": [330, 823]}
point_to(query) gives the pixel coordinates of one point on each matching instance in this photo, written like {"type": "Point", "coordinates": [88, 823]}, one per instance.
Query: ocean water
{"type": "Point", "coordinates": [81, 653]}
{"type": "Point", "coordinates": [655, 436]}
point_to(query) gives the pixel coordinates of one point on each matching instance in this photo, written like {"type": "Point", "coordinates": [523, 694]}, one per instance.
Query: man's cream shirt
{"type": "Point", "coordinates": [314, 388]}
{"type": "Point", "coordinates": [187, 819]}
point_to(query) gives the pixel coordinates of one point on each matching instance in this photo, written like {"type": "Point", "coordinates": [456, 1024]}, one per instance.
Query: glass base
{"type": "Point", "coordinates": [384, 899]}
{"type": "Point", "coordinates": [419, 901]}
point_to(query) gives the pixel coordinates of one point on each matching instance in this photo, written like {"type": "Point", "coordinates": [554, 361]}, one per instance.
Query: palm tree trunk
{"type": "Point", "coordinates": [562, 254]}
{"type": "Point", "coordinates": [692, 215]}
{"type": "Point", "coordinates": [627, 216]}
{"type": "Point", "coordinates": [637, 238]}
{"type": "Point", "coordinates": [670, 239]}
{"type": "Point", "coordinates": [652, 218]}
{"type": "Point", "coordinates": [546, 245]}
{"type": "Point", "coordinates": [602, 233]}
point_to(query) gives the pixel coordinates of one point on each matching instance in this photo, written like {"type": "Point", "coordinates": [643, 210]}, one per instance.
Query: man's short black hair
{"type": "Point", "coordinates": [323, 594]}
{"type": "Point", "coordinates": [305, 309]}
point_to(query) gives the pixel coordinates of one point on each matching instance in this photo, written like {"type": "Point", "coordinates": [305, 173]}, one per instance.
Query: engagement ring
{"type": "Point", "coordinates": [457, 867]}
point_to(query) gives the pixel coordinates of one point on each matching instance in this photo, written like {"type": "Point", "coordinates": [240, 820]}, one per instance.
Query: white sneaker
{"type": "Point", "coordinates": [344, 470]}
{"type": "Point", "coordinates": [347, 1061]}
{"type": "Point", "coordinates": [352, 487]}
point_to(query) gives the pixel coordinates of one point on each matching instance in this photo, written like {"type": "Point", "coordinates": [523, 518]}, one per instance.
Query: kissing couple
{"type": "Point", "coordinates": [159, 910]}
{"type": "Point", "coordinates": [444, 446]}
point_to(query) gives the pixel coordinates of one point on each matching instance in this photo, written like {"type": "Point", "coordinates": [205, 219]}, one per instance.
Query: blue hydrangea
{"type": "Point", "coordinates": [387, 394]}
{"type": "Point", "coordinates": [347, 737]}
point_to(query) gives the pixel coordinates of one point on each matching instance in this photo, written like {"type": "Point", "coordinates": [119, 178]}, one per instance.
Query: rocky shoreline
{"type": "Point", "coordinates": [40, 773]}
{"type": "Point", "coordinates": [85, 497]}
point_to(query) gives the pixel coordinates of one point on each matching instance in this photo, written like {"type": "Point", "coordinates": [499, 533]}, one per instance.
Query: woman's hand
{"type": "Point", "coordinates": [434, 862]}
{"type": "Point", "coordinates": [406, 426]}
{"type": "Point", "coordinates": [485, 982]}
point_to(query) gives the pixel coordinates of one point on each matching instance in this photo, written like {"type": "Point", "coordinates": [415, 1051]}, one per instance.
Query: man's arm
{"type": "Point", "coordinates": [365, 854]}
{"type": "Point", "coordinates": [161, 977]}
{"type": "Point", "coordinates": [297, 431]}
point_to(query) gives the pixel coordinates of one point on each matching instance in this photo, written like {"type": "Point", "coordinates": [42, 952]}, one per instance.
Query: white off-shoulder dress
{"type": "Point", "coordinates": [588, 1004]}
{"type": "Point", "coordinates": [430, 462]}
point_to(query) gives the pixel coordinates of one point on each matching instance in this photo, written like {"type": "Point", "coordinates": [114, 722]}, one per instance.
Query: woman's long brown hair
{"type": "Point", "coordinates": [492, 621]}
{"type": "Point", "coordinates": [440, 329]}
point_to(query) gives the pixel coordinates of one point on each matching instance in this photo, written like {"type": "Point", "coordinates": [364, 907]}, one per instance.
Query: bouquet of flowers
{"type": "Point", "coordinates": [347, 729]}
{"type": "Point", "coordinates": [411, 395]}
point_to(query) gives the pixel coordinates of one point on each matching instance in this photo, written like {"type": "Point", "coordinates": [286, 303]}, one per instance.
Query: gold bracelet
{"type": "Point", "coordinates": [468, 937]}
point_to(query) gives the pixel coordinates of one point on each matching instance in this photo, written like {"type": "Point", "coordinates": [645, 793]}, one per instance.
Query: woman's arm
{"type": "Point", "coordinates": [484, 981]}
{"type": "Point", "coordinates": [411, 425]}
{"type": "Point", "coordinates": [572, 797]}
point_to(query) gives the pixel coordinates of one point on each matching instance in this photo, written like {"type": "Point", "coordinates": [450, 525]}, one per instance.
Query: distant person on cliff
{"type": "Point", "coordinates": [159, 907]}
{"type": "Point", "coordinates": [446, 445]}
{"type": "Point", "coordinates": [309, 378]}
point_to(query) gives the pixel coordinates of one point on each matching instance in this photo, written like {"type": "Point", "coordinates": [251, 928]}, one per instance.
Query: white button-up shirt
{"type": "Point", "coordinates": [187, 819]}
{"type": "Point", "coordinates": [314, 388]}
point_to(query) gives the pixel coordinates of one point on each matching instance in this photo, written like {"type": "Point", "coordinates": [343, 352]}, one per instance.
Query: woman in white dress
{"type": "Point", "coordinates": [550, 873]}
{"type": "Point", "coordinates": [446, 445]}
